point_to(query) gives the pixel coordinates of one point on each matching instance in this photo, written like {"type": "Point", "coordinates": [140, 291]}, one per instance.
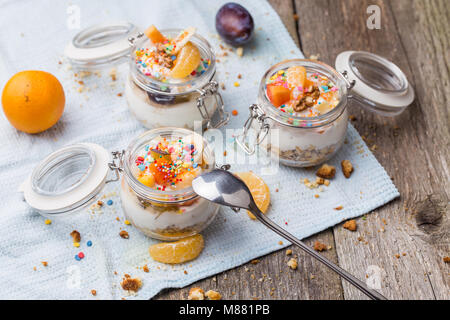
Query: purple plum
{"type": "Point", "coordinates": [234, 24]}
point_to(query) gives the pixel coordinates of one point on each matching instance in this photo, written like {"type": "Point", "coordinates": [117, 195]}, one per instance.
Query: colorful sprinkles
{"type": "Point", "coordinates": [147, 61]}
{"type": "Point", "coordinates": [167, 161]}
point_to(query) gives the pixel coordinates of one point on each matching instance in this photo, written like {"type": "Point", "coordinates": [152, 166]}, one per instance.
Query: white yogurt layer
{"type": "Point", "coordinates": [153, 115]}
{"type": "Point", "coordinates": [197, 215]}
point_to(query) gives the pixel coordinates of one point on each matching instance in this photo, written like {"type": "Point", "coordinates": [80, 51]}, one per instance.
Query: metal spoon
{"type": "Point", "coordinates": [222, 187]}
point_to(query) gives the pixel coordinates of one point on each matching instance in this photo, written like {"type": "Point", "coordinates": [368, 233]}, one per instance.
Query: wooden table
{"type": "Point", "coordinates": [408, 238]}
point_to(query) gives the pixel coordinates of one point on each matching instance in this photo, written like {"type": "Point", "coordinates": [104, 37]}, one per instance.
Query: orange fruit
{"type": "Point", "coordinates": [154, 35]}
{"type": "Point", "coordinates": [147, 179]}
{"type": "Point", "coordinates": [180, 251]}
{"type": "Point", "coordinates": [259, 189]}
{"type": "Point", "coordinates": [33, 101]}
{"type": "Point", "coordinates": [187, 61]}
{"type": "Point", "coordinates": [296, 76]}
{"type": "Point", "coordinates": [278, 95]}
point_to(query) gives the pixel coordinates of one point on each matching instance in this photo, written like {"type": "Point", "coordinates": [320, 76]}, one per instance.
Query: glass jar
{"type": "Point", "coordinates": [154, 103]}
{"type": "Point", "coordinates": [371, 81]}
{"type": "Point", "coordinates": [165, 215]}
{"type": "Point", "coordinates": [71, 179]}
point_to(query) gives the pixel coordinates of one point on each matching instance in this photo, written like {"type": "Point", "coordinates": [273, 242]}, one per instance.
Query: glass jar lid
{"type": "Point", "coordinates": [101, 45]}
{"type": "Point", "coordinates": [68, 179]}
{"type": "Point", "coordinates": [378, 84]}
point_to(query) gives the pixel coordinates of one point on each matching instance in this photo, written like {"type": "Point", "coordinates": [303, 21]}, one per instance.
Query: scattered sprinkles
{"type": "Point", "coordinates": [109, 202]}
{"type": "Point", "coordinates": [89, 243]}
{"type": "Point", "coordinates": [48, 221]}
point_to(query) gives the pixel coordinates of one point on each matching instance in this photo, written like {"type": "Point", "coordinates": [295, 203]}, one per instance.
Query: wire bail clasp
{"type": "Point", "coordinates": [211, 89]}
{"type": "Point", "coordinates": [117, 168]}
{"type": "Point", "coordinates": [256, 113]}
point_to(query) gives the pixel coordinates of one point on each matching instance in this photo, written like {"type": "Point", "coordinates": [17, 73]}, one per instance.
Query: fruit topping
{"type": "Point", "coordinates": [187, 61]}
{"type": "Point", "coordinates": [259, 190]}
{"type": "Point", "coordinates": [179, 251]}
{"type": "Point", "coordinates": [234, 24]}
{"type": "Point", "coordinates": [278, 95]}
{"type": "Point", "coordinates": [296, 76]}
{"type": "Point", "coordinates": [182, 39]}
{"type": "Point", "coordinates": [308, 100]}
{"type": "Point", "coordinates": [154, 35]}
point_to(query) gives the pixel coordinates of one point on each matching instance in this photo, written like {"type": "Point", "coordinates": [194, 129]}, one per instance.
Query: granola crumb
{"type": "Point", "coordinates": [113, 74]}
{"type": "Point", "coordinates": [124, 234]}
{"type": "Point", "coordinates": [213, 295]}
{"type": "Point", "coordinates": [145, 268]}
{"type": "Point", "coordinates": [76, 236]}
{"type": "Point", "coordinates": [339, 208]}
{"type": "Point", "coordinates": [94, 292]}
{"type": "Point", "coordinates": [292, 263]}
{"type": "Point", "coordinates": [240, 51]}
{"type": "Point", "coordinates": [316, 196]}
{"type": "Point", "coordinates": [397, 256]}
{"type": "Point", "coordinates": [352, 118]}
{"type": "Point", "coordinates": [296, 17]}
{"type": "Point", "coordinates": [446, 259]}
{"type": "Point", "coordinates": [320, 181]}
{"type": "Point", "coordinates": [131, 284]}
{"type": "Point", "coordinates": [196, 294]}
{"type": "Point", "coordinates": [326, 171]}
{"type": "Point", "coordinates": [255, 261]}
{"type": "Point", "coordinates": [280, 243]}
{"type": "Point", "coordinates": [100, 203]}
{"type": "Point", "coordinates": [350, 225]}
{"type": "Point", "coordinates": [326, 182]}
{"type": "Point", "coordinates": [318, 246]}
{"type": "Point", "coordinates": [44, 263]}
{"type": "Point", "coordinates": [288, 252]}
{"type": "Point", "coordinates": [347, 168]}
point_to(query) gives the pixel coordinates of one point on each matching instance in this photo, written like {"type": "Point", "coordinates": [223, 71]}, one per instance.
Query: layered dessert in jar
{"type": "Point", "coordinates": [305, 101]}
{"type": "Point", "coordinates": [171, 79]}
{"type": "Point", "coordinates": [157, 198]}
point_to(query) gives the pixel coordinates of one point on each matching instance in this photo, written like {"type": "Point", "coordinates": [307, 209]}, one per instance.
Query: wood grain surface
{"type": "Point", "coordinates": [405, 241]}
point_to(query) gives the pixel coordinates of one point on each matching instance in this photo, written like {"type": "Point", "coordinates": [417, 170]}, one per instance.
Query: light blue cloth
{"type": "Point", "coordinates": [33, 37]}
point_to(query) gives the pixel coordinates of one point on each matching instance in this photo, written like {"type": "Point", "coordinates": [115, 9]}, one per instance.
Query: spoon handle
{"type": "Point", "coordinates": [374, 295]}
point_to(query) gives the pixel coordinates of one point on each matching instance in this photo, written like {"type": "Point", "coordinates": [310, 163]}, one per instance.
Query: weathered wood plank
{"type": "Point", "coordinates": [311, 281]}
{"type": "Point", "coordinates": [412, 147]}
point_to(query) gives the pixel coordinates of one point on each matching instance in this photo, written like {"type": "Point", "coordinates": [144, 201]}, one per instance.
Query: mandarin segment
{"type": "Point", "coordinates": [259, 189]}
{"type": "Point", "coordinates": [187, 61]}
{"type": "Point", "coordinates": [147, 180]}
{"type": "Point", "coordinates": [180, 251]}
{"type": "Point", "coordinates": [182, 39]}
{"type": "Point", "coordinates": [154, 35]}
{"type": "Point", "coordinates": [296, 76]}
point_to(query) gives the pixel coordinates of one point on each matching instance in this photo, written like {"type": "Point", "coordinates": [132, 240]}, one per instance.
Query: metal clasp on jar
{"type": "Point", "coordinates": [132, 40]}
{"type": "Point", "coordinates": [256, 113]}
{"type": "Point", "coordinates": [212, 89]}
{"type": "Point", "coordinates": [117, 168]}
